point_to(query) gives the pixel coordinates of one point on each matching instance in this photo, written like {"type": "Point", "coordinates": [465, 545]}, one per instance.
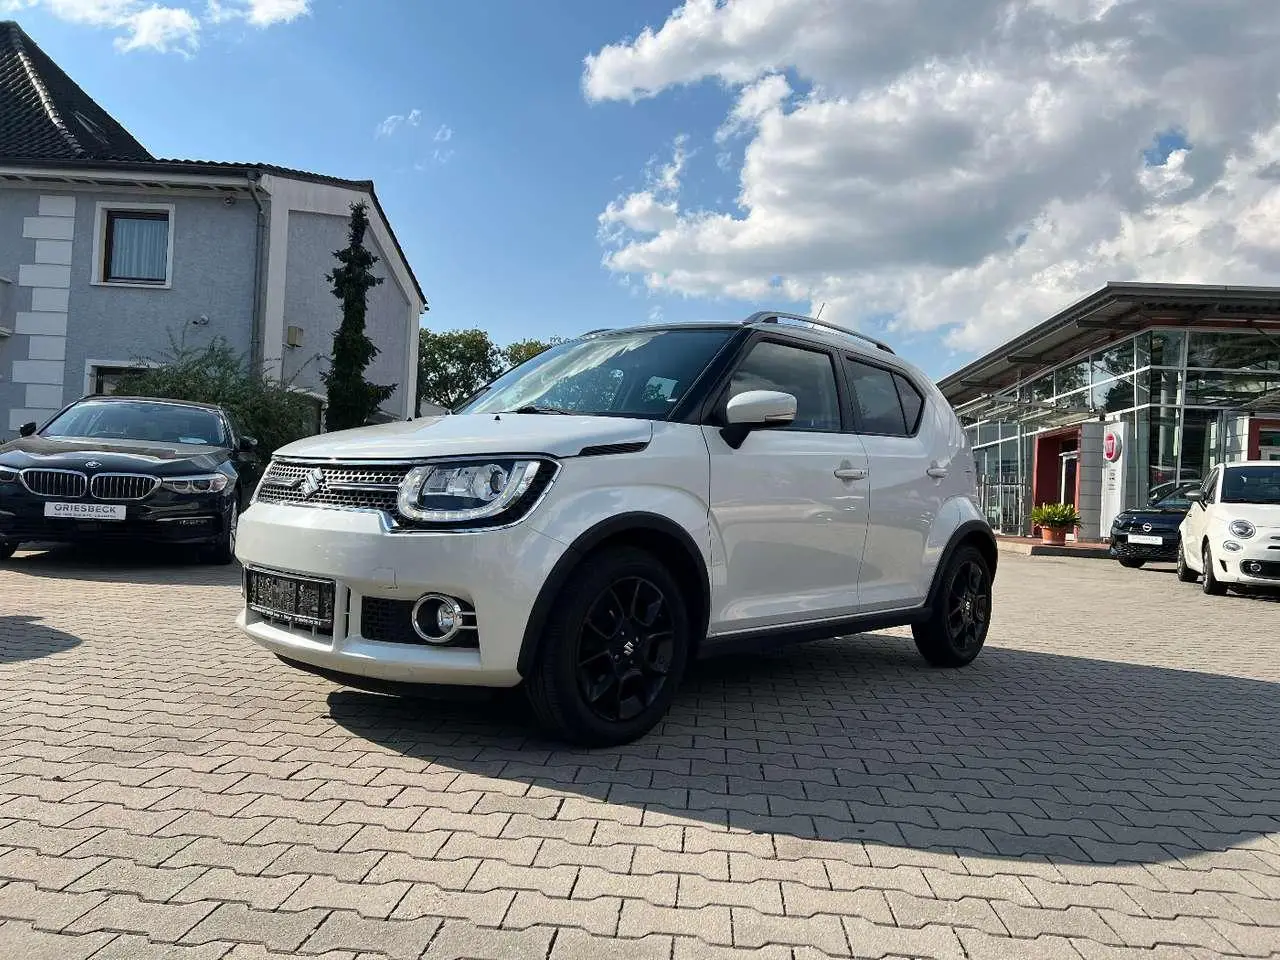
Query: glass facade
{"type": "Point", "coordinates": [1187, 396]}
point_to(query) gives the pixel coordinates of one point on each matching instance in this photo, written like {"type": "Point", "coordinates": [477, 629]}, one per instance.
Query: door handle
{"type": "Point", "coordinates": [851, 473]}
{"type": "Point", "coordinates": [937, 472]}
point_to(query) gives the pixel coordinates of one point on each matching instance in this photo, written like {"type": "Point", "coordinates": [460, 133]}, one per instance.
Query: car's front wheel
{"type": "Point", "coordinates": [7, 549]}
{"type": "Point", "coordinates": [614, 650]}
{"type": "Point", "coordinates": [1210, 584]}
{"type": "Point", "coordinates": [1131, 564]}
{"type": "Point", "coordinates": [223, 550]}
{"type": "Point", "coordinates": [1185, 573]}
{"type": "Point", "coordinates": [957, 626]}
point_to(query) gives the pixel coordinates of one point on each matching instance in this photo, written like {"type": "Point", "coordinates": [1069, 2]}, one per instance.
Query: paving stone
{"type": "Point", "coordinates": [399, 939]}
{"type": "Point", "coordinates": [165, 922]}
{"type": "Point", "coordinates": [276, 930]}
{"type": "Point", "coordinates": [21, 939]}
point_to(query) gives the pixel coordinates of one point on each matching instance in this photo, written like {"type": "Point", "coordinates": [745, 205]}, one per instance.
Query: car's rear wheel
{"type": "Point", "coordinates": [614, 650]}
{"type": "Point", "coordinates": [223, 550]}
{"type": "Point", "coordinates": [7, 549]}
{"type": "Point", "coordinates": [1130, 563]}
{"type": "Point", "coordinates": [1185, 573]}
{"type": "Point", "coordinates": [957, 626]}
{"type": "Point", "coordinates": [1210, 584]}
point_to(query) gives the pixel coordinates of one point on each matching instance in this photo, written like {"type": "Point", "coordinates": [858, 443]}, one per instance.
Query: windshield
{"type": "Point", "coordinates": [634, 374]}
{"type": "Point", "coordinates": [1251, 484]}
{"type": "Point", "coordinates": [1176, 499]}
{"type": "Point", "coordinates": [138, 420]}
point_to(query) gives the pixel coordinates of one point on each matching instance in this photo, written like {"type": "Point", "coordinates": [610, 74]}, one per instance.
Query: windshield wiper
{"type": "Point", "coordinates": [534, 408]}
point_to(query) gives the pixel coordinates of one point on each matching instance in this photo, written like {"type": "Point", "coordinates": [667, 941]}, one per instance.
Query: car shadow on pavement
{"type": "Point", "coordinates": [26, 638]}
{"type": "Point", "coordinates": [1022, 755]}
{"type": "Point", "coordinates": [121, 564]}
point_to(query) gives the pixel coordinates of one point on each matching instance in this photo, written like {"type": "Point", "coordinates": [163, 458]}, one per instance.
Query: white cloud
{"type": "Point", "coordinates": [395, 121]}
{"type": "Point", "coordinates": [968, 166]}
{"type": "Point", "coordinates": [653, 209]}
{"type": "Point", "coordinates": [165, 28]}
{"type": "Point", "coordinates": [443, 134]}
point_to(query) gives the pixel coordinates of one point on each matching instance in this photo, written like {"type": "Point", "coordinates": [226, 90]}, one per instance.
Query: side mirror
{"type": "Point", "coordinates": [756, 410]}
{"type": "Point", "coordinates": [1195, 496]}
{"type": "Point", "coordinates": [248, 444]}
{"type": "Point", "coordinates": [27, 429]}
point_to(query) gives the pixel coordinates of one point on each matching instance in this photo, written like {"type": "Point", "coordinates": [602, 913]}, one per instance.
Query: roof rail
{"type": "Point", "coordinates": [774, 316]}
{"type": "Point", "coordinates": [592, 333]}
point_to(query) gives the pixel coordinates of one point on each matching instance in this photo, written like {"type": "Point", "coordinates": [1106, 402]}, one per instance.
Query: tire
{"type": "Point", "coordinates": [1210, 584]}
{"type": "Point", "coordinates": [957, 626]}
{"type": "Point", "coordinates": [600, 638]}
{"type": "Point", "coordinates": [1131, 564]}
{"type": "Point", "coordinates": [223, 550]}
{"type": "Point", "coordinates": [1185, 573]}
{"type": "Point", "coordinates": [7, 549]}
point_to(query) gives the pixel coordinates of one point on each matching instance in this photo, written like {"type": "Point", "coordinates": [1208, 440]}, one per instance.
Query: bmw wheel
{"type": "Point", "coordinates": [7, 549]}
{"type": "Point", "coordinates": [614, 651]}
{"type": "Point", "coordinates": [223, 550]}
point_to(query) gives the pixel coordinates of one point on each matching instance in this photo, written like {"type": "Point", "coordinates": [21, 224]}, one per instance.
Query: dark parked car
{"type": "Point", "coordinates": [108, 469]}
{"type": "Point", "coordinates": [1151, 533]}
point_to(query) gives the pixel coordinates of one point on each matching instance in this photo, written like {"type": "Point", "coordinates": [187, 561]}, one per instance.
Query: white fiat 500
{"type": "Point", "coordinates": [620, 504]}
{"type": "Point", "coordinates": [1231, 535]}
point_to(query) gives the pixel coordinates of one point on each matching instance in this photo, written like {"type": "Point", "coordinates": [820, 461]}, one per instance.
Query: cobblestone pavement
{"type": "Point", "coordinates": [1103, 783]}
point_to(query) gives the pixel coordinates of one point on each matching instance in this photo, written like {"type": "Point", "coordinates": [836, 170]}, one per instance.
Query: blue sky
{"type": "Point", "coordinates": [503, 233]}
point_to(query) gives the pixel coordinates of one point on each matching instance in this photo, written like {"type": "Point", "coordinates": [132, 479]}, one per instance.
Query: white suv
{"type": "Point", "coordinates": [1231, 534]}
{"type": "Point", "coordinates": [622, 503]}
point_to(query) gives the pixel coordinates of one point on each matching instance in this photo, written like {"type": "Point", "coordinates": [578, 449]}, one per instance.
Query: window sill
{"type": "Point", "coordinates": [168, 285]}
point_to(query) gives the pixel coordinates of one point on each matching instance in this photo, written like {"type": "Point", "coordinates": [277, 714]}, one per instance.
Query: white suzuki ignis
{"type": "Point", "coordinates": [618, 505]}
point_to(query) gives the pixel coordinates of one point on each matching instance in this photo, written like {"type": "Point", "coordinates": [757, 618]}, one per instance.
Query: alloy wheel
{"type": "Point", "coordinates": [968, 606]}
{"type": "Point", "coordinates": [625, 648]}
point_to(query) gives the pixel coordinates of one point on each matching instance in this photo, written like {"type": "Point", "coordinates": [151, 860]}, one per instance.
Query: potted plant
{"type": "Point", "coordinates": [1054, 520]}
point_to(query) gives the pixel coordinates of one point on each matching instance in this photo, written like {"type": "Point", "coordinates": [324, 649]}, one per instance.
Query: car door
{"type": "Point", "coordinates": [789, 506]}
{"type": "Point", "coordinates": [906, 484]}
{"type": "Point", "coordinates": [1197, 519]}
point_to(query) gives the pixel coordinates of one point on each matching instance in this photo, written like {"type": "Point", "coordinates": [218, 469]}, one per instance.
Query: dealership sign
{"type": "Point", "coordinates": [1111, 446]}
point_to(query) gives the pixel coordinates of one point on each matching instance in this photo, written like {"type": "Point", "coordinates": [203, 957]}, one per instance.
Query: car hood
{"type": "Point", "coordinates": [477, 434]}
{"type": "Point", "coordinates": [129, 456]}
{"type": "Point", "coordinates": [1264, 516]}
{"type": "Point", "coordinates": [1163, 518]}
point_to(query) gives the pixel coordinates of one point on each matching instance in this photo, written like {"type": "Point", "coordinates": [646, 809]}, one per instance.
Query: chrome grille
{"type": "Point", "coordinates": [122, 486]}
{"type": "Point", "coordinates": [55, 483]}
{"type": "Point", "coordinates": [335, 486]}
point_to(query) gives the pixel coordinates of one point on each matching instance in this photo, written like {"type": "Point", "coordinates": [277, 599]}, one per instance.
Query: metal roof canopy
{"type": "Point", "coordinates": [1117, 310]}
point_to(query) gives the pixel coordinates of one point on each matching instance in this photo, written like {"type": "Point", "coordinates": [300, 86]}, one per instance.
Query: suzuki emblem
{"type": "Point", "coordinates": [310, 482]}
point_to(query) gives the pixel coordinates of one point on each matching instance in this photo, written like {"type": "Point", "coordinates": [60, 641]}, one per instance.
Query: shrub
{"type": "Point", "coordinates": [261, 407]}
{"type": "Point", "coordinates": [1055, 516]}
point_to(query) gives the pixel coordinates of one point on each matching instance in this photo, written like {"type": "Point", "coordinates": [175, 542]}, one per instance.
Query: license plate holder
{"type": "Point", "coordinates": [291, 599]}
{"type": "Point", "coordinates": [62, 510]}
{"type": "Point", "coordinates": [1146, 540]}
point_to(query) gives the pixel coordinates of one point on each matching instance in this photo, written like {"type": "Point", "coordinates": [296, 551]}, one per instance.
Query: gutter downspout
{"type": "Point", "coordinates": [257, 357]}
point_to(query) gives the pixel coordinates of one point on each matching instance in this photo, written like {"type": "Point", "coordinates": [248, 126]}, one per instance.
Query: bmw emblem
{"type": "Point", "coordinates": [92, 464]}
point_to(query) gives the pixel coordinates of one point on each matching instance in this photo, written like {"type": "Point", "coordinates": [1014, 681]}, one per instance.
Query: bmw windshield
{"type": "Point", "coordinates": [637, 373]}
{"type": "Point", "coordinates": [137, 420]}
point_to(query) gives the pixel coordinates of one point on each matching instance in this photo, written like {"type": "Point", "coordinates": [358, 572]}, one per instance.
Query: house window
{"type": "Point", "coordinates": [105, 380]}
{"type": "Point", "coordinates": [136, 246]}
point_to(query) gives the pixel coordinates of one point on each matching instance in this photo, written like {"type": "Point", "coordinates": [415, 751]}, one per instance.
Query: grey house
{"type": "Point", "coordinates": [108, 254]}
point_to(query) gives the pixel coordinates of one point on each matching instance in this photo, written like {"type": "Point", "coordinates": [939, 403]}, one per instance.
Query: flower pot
{"type": "Point", "coordinates": [1054, 535]}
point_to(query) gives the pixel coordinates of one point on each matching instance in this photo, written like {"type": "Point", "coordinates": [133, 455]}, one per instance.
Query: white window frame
{"type": "Point", "coordinates": [104, 207]}
{"type": "Point", "coordinates": [93, 364]}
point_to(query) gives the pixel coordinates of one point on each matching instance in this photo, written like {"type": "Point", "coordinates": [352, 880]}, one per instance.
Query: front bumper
{"type": "Point", "coordinates": [498, 573]}
{"type": "Point", "coordinates": [161, 518]}
{"type": "Point", "coordinates": [1122, 548]}
{"type": "Point", "coordinates": [1238, 567]}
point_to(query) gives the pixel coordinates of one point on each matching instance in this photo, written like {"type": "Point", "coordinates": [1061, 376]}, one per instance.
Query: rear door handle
{"type": "Point", "coordinates": [851, 473]}
{"type": "Point", "coordinates": [937, 472]}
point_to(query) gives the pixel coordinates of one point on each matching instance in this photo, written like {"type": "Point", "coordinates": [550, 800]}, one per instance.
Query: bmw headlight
{"type": "Point", "coordinates": [8, 475]}
{"type": "Point", "coordinates": [1241, 528]}
{"type": "Point", "coordinates": [463, 492]}
{"type": "Point", "coordinates": [204, 483]}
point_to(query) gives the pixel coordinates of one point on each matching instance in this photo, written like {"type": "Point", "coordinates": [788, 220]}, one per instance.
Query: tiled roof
{"type": "Point", "coordinates": [44, 115]}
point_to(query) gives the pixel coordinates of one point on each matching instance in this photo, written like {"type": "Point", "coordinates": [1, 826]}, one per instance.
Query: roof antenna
{"type": "Point", "coordinates": [822, 306]}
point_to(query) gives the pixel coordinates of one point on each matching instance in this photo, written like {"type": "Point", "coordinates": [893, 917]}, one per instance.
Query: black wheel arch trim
{"type": "Point", "coordinates": [960, 535]}
{"type": "Point", "coordinates": [583, 545]}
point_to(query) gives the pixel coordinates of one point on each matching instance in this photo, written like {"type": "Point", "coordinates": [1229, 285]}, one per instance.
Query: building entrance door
{"type": "Point", "coordinates": [1070, 471]}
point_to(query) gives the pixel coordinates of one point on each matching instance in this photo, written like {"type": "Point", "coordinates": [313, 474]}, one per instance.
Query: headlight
{"type": "Point", "coordinates": [205, 483]}
{"type": "Point", "coordinates": [8, 475]}
{"type": "Point", "coordinates": [1241, 528]}
{"type": "Point", "coordinates": [463, 492]}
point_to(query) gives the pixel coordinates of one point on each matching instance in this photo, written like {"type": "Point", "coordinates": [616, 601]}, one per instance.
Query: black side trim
{"type": "Point", "coordinates": [609, 449]}
{"type": "Point", "coordinates": [593, 537]}
{"type": "Point", "coordinates": [771, 638]}
{"type": "Point", "coordinates": [962, 532]}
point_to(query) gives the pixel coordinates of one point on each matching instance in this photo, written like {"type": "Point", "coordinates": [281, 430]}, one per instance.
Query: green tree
{"type": "Point", "coordinates": [353, 400]}
{"type": "Point", "coordinates": [262, 407]}
{"type": "Point", "coordinates": [522, 350]}
{"type": "Point", "coordinates": [454, 365]}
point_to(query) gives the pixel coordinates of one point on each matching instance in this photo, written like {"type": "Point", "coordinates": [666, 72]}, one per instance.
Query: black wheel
{"type": "Point", "coordinates": [7, 549]}
{"type": "Point", "coordinates": [614, 651]}
{"type": "Point", "coordinates": [1185, 573]}
{"type": "Point", "coordinates": [223, 550]}
{"type": "Point", "coordinates": [957, 626]}
{"type": "Point", "coordinates": [1210, 584]}
{"type": "Point", "coordinates": [1131, 564]}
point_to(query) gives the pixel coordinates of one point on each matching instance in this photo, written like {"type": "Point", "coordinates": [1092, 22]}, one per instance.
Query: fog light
{"type": "Point", "coordinates": [436, 618]}
{"type": "Point", "coordinates": [1231, 546]}
{"type": "Point", "coordinates": [1253, 567]}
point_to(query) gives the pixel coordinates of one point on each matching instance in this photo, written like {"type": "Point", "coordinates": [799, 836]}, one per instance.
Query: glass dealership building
{"type": "Point", "coordinates": [1120, 397]}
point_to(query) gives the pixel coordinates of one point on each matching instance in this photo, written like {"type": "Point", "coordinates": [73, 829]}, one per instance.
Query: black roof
{"type": "Point", "coordinates": [44, 115]}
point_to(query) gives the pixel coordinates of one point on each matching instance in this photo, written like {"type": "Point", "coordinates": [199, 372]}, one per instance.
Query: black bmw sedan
{"type": "Point", "coordinates": [109, 469]}
{"type": "Point", "coordinates": [1151, 533]}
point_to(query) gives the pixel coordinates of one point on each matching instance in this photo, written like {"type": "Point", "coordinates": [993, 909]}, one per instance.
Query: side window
{"type": "Point", "coordinates": [806, 374]}
{"type": "Point", "coordinates": [886, 403]}
{"type": "Point", "coordinates": [1210, 487]}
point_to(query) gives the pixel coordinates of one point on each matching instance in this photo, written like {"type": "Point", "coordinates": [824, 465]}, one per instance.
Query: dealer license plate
{"type": "Point", "coordinates": [84, 511]}
{"type": "Point", "coordinates": [1145, 540]}
{"type": "Point", "coordinates": [299, 601]}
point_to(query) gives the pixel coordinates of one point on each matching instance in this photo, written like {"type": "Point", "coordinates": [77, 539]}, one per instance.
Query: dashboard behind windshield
{"type": "Point", "coordinates": [634, 374]}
